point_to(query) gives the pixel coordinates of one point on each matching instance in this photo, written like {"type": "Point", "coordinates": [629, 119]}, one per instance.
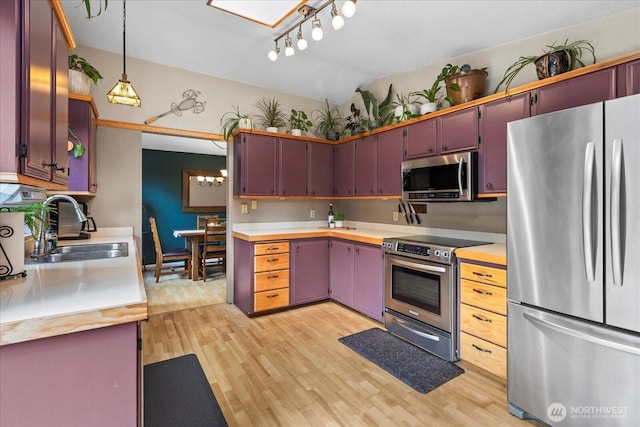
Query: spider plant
{"type": "Point", "coordinates": [272, 114]}
{"type": "Point", "coordinates": [87, 5]}
{"type": "Point", "coordinates": [232, 120]}
{"type": "Point", "coordinates": [574, 52]}
{"type": "Point", "coordinates": [328, 121]}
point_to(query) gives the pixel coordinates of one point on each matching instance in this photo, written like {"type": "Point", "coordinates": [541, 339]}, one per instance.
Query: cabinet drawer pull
{"type": "Point", "coordinates": [273, 248]}
{"type": "Point", "coordinates": [484, 350]}
{"type": "Point", "coordinates": [482, 274]}
{"type": "Point", "coordinates": [273, 276]}
{"type": "Point", "coordinates": [482, 319]}
{"type": "Point", "coordinates": [273, 296]}
{"type": "Point", "coordinates": [481, 292]}
{"type": "Point", "coordinates": [273, 260]}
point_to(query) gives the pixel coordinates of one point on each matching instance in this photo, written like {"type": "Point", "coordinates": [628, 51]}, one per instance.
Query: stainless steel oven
{"type": "Point", "coordinates": [421, 291]}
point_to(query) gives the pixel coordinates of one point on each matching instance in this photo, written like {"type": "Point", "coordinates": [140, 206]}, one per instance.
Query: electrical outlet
{"type": "Point", "coordinates": [244, 208]}
{"type": "Point", "coordinates": [312, 213]}
{"type": "Point", "coordinates": [254, 204]}
{"type": "Point", "coordinates": [395, 215]}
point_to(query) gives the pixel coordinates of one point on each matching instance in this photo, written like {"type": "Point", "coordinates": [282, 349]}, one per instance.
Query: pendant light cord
{"type": "Point", "coordinates": [124, 32]}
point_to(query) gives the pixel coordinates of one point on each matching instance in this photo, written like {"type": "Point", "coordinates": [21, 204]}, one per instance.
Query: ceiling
{"type": "Point", "coordinates": [384, 37]}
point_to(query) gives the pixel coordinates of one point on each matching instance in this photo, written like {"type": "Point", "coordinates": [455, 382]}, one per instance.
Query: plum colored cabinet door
{"type": "Point", "coordinates": [586, 89]}
{"type": "Point", "coordinates": [320, 166]}
{"type": "Point", "coordinates": [309, 270]}
{"type": "Point", "coordinates": [258, 165]}
{"type": "Point", "coordinates": [368, 286]}
{"type": "Point", "coordinates": [629, 78]}
{"type": "Point", "coordinates": [492, 152]}
{"type": "Point", "coordinates": [82, 170]}
{"type": "Point", "coordinates": [366, 171]}
{"type": "Point", "coordinates": [420, 140]}
{"type": "Point", "coordinates": [458, 131]}
{"type": "Point", "coordinates": [390, 153]}
{"type": "Point", "coordinates": [341, 258]}
{"type": "Point", "coordinates": [344, 169]}
{"type": "Point", "coordinates": [292, 167]}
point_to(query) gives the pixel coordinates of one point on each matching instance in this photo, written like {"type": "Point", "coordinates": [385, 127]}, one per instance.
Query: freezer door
{"type": "Point", "coordinates": [571, 373]}
{"type": "Point", "coordinates": [555, 210]}
{"type": "Point", "coordinates": [622, 230]}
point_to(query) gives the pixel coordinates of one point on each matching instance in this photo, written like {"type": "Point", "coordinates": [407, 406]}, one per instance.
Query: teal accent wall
{"type": "Point", "coordinates": [162, 196]}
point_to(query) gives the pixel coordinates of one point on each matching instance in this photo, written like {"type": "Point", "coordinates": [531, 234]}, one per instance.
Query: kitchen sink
{"type": "Point", "coordinates": [85, 252]}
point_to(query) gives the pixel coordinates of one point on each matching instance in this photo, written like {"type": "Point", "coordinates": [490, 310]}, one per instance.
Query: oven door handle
{"type": "Point", "coordinates": [432, 268]}
{"type": "Point", "coordinates": [406, 326]}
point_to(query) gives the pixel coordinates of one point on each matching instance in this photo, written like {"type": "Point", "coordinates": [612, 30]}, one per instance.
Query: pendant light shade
{"type": "Point", "coordinates": [123, 92]}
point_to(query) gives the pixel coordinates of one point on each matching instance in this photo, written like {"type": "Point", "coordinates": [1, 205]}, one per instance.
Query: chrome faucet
{"type": "Point", "coordinates": [40, 247]}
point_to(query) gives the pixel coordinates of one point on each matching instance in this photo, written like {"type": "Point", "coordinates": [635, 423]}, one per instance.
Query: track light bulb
{"type": "Point", "coordinates": [289, 51]}
{"type": "Point", "coordinates": [316, 33]}
{"type": "Point", "coordinates": [337, 21]}
{"type": "Point", "coordinates": [349, 8]}
{"type": "Point", "coordinates": [302, 43]}
{"type": "Point", "coordinates": [273, 54]}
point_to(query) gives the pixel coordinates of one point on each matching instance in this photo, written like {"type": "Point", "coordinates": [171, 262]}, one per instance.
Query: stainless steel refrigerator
{"type": "Point", "coordinates": [573, 265]}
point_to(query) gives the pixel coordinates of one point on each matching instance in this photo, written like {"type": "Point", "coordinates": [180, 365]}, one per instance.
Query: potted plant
{"type": "Point", "coordinates": [232, 120]}
{"type": "Point", "coordinates": [328, 122]}
{"type": "Point", "coordinates": [272, 116]}
{"type": "Point", "coordinates": [354, 121]}
{"type": "Point", "coordinates": [463, 84]}
{"type": "Point", "coordinates": [432, 95]}
{"type": "Point", "coordinates": [80, 74]}
{"type": "Point", "coordinates": [404, 107]}
{"type": "Point", "coordinates": [299, 122]}
{"type": "Point", "coordinates": [556, 59]}
{"type": "Point", "coordinates": [12, 223]}
{"type": "Point", "coordinates": [87, 5]}
{"type": "Point", "coordinates": [378, 114]}
{"type": "Point", "coordinates": [338, 218]}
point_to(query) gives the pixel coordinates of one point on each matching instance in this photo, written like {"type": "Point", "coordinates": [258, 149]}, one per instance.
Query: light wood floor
{"type": "Point", "coordinates": [288, 368]}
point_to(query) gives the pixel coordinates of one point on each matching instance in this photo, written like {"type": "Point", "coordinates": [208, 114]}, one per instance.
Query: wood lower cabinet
{"type": "Point", "coordinates": [309, 270]}
{"type": "Point", "coordinates": [483, 316]}
{"type": "Point", "coordinates": [261, 275]}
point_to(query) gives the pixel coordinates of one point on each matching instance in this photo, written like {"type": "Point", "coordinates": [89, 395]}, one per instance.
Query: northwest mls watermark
{"type": "Point", "coordinates": [557, 412]}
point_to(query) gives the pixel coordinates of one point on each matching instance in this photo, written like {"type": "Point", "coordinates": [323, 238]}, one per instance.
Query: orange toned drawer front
{"type": "Point", "coordinates": [271, 280]}
{"type": "Point", "coordinates": [271, 248]}
{"type": "Point", "coordinates": [492, 298]}
{"type": "Point", "coordinates": [481, 273]}
{"type": "Point", "coordinates": [484, 324]}
{"type": "Point", "coordinates": [271, 262]}
{"type": "Point", "coordinates": [271, 299]}
{"type": "Point", "coordinates": [483, 354]}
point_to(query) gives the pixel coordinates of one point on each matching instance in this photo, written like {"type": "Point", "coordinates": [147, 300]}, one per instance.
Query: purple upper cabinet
{"type": "Point", "coordinates": [292, 167]}
{"type": "Point", "coordinates": [60, 90]}
{"type": "Point", "coordinates": [420, 140]}
{"type": "Point", "coordinates": [629, 78]}
{"type": "Point", "coordinates": [82, 170]}
{"type": "Point", "coordinates": [368, 285]}
{"type": "Point", "coordinates": [341, 258]}
{"type": "Point", "coordinates": [344, 165]}
{"type": "Point", "coordinates": [366, 171]}
{"type": "Point", "coordinates": [320, 167]}
{"type": "Point", "coordinates": [309, 270]}
{"type": "Point", "coordinates": [258, 165]}
{"type": "Point", "coordinates": [9, 81]}
{"type": "Point", "coordinates": [458, 131]}
{"type": "Point", "coordinates": [492, 152]}
{"type": "Point", "coordinates": [586, 89]}
{"type": "Point", "coordinates": [390, 154]}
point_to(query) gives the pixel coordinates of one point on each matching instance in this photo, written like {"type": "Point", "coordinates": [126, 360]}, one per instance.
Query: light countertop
{"type": "Point", "coordinates": [65, 297]}
{"type": "Point", "coordinates": [362, 235]}
{"type": "Point", "coordinates": [495, 253]}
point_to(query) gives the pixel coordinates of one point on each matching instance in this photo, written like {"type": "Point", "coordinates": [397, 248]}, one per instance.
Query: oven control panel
{"type": "Point", "coordinates": [436, 253]}
{"type": "Point", "coordinates": [412, 249]}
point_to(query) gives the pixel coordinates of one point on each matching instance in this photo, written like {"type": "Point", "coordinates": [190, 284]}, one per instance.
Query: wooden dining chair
{"type": "Point", "coordinates": [172, 255]}
{"type": "Point", "coordinates": [214, 248]}
{"type": "Point", "coordinates": [203, 220]}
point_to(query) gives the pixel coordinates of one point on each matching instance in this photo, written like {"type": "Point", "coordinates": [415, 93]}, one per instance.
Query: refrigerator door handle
{"type": "Point", "coordinates": [582, 336]}
{"type": "Point", "coordinates": [587, 203]}
{"type": "Point", "coordinates": [616, 177]}
{"type": "Point", "coordinates": [460, 166]}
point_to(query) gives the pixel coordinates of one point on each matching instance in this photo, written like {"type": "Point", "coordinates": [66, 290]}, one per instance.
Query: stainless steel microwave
{"type": "Point", "coordinates": [445, 178]}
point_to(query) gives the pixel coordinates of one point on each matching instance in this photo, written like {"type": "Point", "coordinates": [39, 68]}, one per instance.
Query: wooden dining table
{"type": "Point", "coordinates": [194, 237]}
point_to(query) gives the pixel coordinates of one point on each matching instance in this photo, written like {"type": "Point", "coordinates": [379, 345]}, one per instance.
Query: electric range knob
{"type": "Point", "coordinates": [437, 252]}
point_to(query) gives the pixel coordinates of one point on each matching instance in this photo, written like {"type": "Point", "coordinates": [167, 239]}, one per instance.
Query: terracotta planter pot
{"type": "Point", "coordinates": [552, 64]}
{"type": "Point", "coordinates": [471, 85]}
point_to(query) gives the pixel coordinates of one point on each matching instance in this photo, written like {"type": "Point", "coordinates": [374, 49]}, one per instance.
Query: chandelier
{"type": "Point", "coordinates": [308, 12]}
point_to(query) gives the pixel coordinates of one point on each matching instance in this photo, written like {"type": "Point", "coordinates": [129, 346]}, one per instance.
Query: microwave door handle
{"type": "Point", "coordinates": [460, 166]}
{"type": "Point", "coordinates": [587, 196]}
{"type": "Point", "coordinates": [616, 177]}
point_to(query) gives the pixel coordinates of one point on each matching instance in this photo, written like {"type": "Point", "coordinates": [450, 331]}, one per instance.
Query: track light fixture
{"type": "Point", "coordinates": [309, 12]}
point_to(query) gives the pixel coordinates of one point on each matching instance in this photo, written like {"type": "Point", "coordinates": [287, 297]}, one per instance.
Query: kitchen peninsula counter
{"type": "Point", "coordinates": [60, 298]}
{"type": "Point", "coordinates": [362, 235]}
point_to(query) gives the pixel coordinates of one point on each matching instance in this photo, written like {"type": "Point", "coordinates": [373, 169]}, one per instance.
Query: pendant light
{"type": "Point", "coordinates": [123, 92]}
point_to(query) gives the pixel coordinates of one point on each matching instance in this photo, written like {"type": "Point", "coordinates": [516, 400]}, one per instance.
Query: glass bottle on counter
{"type": "Point", "coordinates": [330, 216]}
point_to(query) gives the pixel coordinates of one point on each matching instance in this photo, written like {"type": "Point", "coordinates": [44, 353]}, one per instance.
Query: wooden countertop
{"type": "Point", "coordinates": [495, 253]}
{"type": "Point", "coordinates": [61, 298]}
{"type": "Point", "coordinates": [362, 235]}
